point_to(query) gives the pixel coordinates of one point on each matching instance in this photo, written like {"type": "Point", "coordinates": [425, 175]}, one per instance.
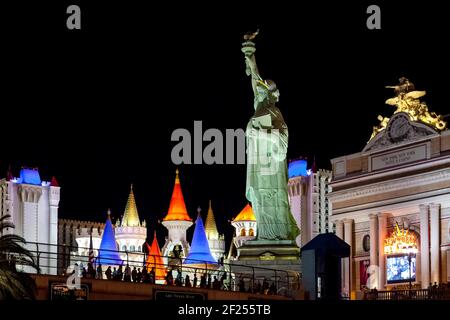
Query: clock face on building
{"type": "Point", "coordinates": [399, 127]}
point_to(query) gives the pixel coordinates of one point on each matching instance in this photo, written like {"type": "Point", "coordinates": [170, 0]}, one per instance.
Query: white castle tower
{"type": "Point", "coordinates": [131, 233]}
{"type": "Point", "coordinates": [216, 241]}
{"type": "Point", "coordinates": [33, 207]}
{"type": "Point", "coordinates": [308, 190]}
{"type": "Point", "coordinates": [177, 221]}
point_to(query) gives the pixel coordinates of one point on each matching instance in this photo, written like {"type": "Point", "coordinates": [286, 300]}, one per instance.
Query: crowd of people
{"type": "Point", "coordinates": [221, 281]}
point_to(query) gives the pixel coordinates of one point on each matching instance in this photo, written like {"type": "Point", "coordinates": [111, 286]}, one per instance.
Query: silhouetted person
{"type": "Point", "coordinates": [216, 284]}
{"type": "Point", "coordinates": [195, 281]}
{"type": "Point", "coordinates": [108, 273]}
{"type": "Point", "coordinates": [187, 281]}
{"type": "Point", "coordinates": [139, 275]}
{"type": "Point", "coordinates": [120, 273]}
{"type": "Point", "coordinates": [134, 275]}
{"type": "Point", "coordinates": [209, 282]}
{"type": "Point", "coordinates": [145, 275]}
{"type": "Point", "coordinates": [203, 281]}
{"type": "Point", "coordinates": [99, 272]}
{"type": "Point", "coordinates": [153, 276]}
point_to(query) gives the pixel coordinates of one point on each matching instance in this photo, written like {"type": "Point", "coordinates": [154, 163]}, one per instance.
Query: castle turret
{"type": "Point", "coordinates": [131, 234]}
{"type": "Point", "coordinates": [155, 261]}
{"type": "Point", "coordinates": [199, 254]}
{"type": "Point", "coordinates": [177, 221]}
{"type": "Point", "coordinates": [108, 254]}
{"type": "Point", "coordinates": [216, 241]}
{"type": "Point", "coordinates": [244, 225]}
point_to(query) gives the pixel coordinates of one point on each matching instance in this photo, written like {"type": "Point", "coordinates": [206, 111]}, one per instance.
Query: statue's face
{"type": "Point", "coordinates": [276, 95]}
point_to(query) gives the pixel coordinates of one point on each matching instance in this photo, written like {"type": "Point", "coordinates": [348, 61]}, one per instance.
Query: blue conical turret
{"type": "Point", "coordinates": [108, 254]}
{"type": "Point", "coordinates": [200, 252]}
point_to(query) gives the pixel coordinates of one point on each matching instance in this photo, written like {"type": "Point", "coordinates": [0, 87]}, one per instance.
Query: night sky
{"type": "Point", "coordinates": [96, 107]}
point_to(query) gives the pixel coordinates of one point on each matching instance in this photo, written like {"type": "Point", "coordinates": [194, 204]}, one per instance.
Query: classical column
{"type": "Point", "coordinates": [424, 247]}
{"type": "Point", "coordinates": [340, 229]}
{"type": "Point", "coordinates": [340, 234]}
{"type": "Point", "coordinates": [373, 249]}
{"type": "Point", "coordinates": [382, 225]}
{"type": "Point", "coordinates": [435, 244]}
{"type": "Point", "coordinates": [348, 237]}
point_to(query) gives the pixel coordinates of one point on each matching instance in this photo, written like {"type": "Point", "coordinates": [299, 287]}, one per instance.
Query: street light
{"type": "Point", "coordinates": [410, 250]}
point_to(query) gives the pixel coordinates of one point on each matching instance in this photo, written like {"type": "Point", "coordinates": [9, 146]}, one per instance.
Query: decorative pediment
{"type": "Point", "coordinates": [411, 120]}
{"type": "Point", "coordinates": [399, 130]}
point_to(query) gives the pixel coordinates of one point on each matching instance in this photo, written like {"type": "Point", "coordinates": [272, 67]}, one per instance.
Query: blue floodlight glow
{"type": "Point", "coordinates": [199, 252]}
{"type": "Point", "coordinates": [297, 168]}
{"type": "Point", "coordinates": [108, 254]}
{"type": "Point", "coordinates": [30, 176]}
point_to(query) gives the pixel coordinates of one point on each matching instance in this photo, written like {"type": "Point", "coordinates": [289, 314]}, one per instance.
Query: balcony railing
{"type": "Point", "coordinates": [61, 259]}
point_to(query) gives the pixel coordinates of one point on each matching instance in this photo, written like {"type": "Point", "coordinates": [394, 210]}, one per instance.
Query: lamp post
{"type": "Point", "coordinates": [411, 250]}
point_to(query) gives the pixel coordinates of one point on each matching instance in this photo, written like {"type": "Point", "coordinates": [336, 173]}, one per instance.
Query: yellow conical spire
{"type": "Point", "coordinates": [210, 225]}
{"type": "Point", "coordinates": [131, 216]}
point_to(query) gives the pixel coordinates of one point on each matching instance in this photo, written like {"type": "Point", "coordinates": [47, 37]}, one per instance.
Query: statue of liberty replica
{"type": "Point", "coordinates": [274, 248]}
{"type": "Point", "coordinates": [267, 143]}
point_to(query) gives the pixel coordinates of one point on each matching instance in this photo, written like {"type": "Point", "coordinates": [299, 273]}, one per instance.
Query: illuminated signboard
{"type": "Point", "coordinates": [60, 291]}
{"type": "Point", "coordinates": [400, 241]}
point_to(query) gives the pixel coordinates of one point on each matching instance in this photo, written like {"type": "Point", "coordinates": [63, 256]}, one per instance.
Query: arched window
{"type": "Point", "coordinates": [251, 233]}
{"type": "Point", "coordinates": [124, 248]}
{"type": "Point", "coordinates": [139, 249]}
{"type": "Point", "coordinates": [242, 232]}
{"type": "Point", "coordinates": [132, 248]}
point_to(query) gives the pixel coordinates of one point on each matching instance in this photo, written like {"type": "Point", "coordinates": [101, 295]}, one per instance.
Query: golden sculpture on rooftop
{"type": "Point", "coordinates": [407, 101]}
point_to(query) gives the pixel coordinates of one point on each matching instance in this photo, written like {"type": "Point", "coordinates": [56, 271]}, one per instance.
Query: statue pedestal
{"type": "Point", "coordinates": [274, 260]}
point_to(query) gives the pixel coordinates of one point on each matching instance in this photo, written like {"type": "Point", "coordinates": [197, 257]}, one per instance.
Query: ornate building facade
{"type": "Point", "coordinates": [391, 201]}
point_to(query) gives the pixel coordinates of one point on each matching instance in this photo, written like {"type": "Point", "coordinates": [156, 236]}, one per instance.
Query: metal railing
{"type": "Point", "coordinates": [441, 293]}
{"type": "Point", "coordinates": [55, 259]}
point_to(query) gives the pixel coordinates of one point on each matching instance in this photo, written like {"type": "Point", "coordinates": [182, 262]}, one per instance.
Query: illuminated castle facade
{"type": "Point", "coordinates": [33, 207]}
{"type": "Point", "coordinates": [308, 191]}
{"type": "Point", "coordinates": [391, 201]}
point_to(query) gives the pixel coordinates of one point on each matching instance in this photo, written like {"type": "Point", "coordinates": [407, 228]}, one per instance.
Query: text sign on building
{"type": "Point", "coordinates": [181, 295]}
{"type": "Point", "coordinates": [404, 156]}
{"type": "Point", "coordinates": [60, 291]}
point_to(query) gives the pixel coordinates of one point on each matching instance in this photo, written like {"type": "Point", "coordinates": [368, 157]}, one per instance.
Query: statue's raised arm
{"type": "Point", "coordinates": [248, 48]}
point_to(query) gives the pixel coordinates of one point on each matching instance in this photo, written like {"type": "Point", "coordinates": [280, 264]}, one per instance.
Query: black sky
{"type": "Point", "coordinates": [96, 107]}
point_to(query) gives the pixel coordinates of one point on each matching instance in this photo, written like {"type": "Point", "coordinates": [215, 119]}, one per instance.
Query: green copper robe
{"type": "Point", "coordinates": [267, 180]}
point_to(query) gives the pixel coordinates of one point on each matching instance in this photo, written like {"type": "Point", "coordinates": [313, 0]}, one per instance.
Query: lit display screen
{"type": "Point", "coordinates": [397, 269]}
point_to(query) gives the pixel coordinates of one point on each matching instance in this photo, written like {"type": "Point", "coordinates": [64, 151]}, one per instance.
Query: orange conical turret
{"type": "Point", "coordinates": [155, 260]}
{"type": "Point", "coordinates": [177, 208]}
